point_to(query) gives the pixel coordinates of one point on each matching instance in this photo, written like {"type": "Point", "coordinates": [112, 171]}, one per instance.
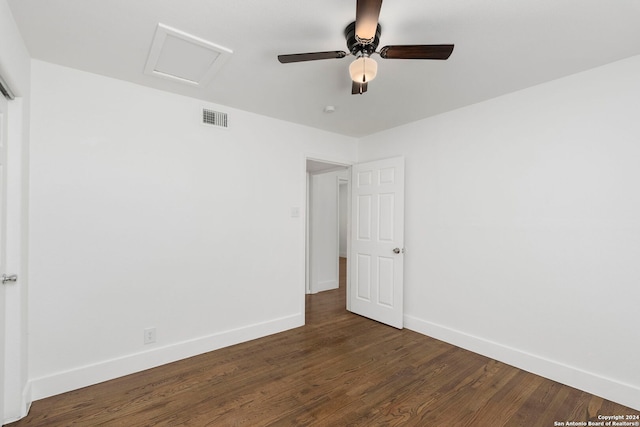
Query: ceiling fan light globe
{"type": "Point", "coordinates": [363, 69]}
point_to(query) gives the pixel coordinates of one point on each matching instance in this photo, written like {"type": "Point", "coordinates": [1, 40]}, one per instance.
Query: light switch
{"type": "Point", "coordinates": [295, 212]}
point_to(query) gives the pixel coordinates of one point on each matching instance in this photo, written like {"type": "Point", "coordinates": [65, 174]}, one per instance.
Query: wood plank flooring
{"type": "Point", "coordinates": [338, 370]}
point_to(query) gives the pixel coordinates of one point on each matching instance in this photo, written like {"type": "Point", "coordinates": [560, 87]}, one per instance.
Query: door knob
{"type": "Point", "coordinates": [11, 278]}
{"type": "Point", "coordinates": [396, 250]}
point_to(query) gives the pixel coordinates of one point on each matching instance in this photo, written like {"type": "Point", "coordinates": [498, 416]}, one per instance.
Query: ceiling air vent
{"type": "Point", "coordinates": [214, 118]}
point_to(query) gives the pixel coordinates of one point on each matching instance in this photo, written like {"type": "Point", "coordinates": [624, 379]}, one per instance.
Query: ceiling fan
{"type": "Point", "coordinates": [363, 37]}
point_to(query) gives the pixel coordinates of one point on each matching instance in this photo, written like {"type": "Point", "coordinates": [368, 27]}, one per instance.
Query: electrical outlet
{"type": "Point", "coordinates": [149, 335]}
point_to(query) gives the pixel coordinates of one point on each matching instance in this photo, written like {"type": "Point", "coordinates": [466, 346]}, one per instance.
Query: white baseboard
{"type": "Point", "coordinates": [616, 391]}
{"type": "Point", "coordinates": [84, 376]}
{"type": "Point", "coordinates": [324, 286]}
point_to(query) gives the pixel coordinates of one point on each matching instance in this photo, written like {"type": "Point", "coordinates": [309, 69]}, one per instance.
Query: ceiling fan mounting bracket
{"type": "Point", "coordinates": [356, 46]}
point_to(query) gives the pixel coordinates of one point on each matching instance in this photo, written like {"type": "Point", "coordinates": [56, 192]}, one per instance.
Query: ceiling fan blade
{"type": "Point", "coordinates": [367, 14]}
{"type": "Point", "coordinates": [312, 56]}
{"type": "Point", "coordinates": [424, 51]}
{"type": "Point", "coordinates": [358, 88]}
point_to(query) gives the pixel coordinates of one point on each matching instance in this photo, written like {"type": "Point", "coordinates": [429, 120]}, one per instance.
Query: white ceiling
{"type": "Point", "coordinates": [501, 46]}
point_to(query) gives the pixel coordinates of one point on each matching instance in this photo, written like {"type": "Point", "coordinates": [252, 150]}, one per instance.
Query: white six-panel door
{"type": "Point", "coordinates": [377, 241]}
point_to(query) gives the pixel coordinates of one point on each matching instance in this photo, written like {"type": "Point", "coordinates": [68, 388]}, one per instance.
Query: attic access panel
{"type": "Point", "coordinates": [182, 57]}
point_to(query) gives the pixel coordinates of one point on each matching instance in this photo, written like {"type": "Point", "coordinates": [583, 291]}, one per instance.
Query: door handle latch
{"type": "Point", "coordinates": [398, 250]}
{"type": "Point", "coordinates": [12, 278]}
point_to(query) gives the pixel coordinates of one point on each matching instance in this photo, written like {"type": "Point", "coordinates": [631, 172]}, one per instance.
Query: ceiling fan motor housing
{"type": "Point", "coordinates": [358, 48]}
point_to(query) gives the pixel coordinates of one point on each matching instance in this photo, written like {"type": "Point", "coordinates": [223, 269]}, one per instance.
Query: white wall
{"type": "Point", "coordinates": [142, 217]}
{"type": "Point", "coordinates": [324, 230]}
{"type": "Point", "coordinates": [523, 228]}
{"type": "Point", "coordinates": [15, 68]}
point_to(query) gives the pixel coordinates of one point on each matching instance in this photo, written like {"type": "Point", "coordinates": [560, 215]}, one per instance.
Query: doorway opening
{"type": "Point", "coordinates": [327, 228]}
{"type": "Point", "coordinates": [375, 236]}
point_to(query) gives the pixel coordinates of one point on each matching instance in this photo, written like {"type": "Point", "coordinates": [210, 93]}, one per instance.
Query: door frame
{"type": "Point", "coordinates": [340, 182]}
{"type": "Point", "coordinates": [4, 148]}
{"type": "Point", "coordinates": [338, 162]}
{"type": "Point", "coordinates": [16, 388]}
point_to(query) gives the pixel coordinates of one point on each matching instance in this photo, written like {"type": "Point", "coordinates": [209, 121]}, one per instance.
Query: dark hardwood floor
{"type": "Point", "coordinates": [338, 370]}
